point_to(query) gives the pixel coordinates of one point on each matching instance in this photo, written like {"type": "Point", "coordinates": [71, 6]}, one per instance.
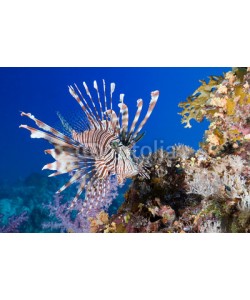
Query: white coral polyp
{"type": "Point", "coordinates": [244, 204]}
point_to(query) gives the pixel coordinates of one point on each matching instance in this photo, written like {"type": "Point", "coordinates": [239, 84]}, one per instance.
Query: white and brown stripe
{"type": "Point", "coordinates": [154, 98]}
{"type": "Point", "coordinates": [101, 151]}
{"type": "Point", "coordinates": [124, 113]}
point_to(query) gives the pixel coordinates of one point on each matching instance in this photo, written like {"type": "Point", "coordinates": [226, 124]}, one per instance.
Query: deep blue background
{"type": "Point", "coordinates": [43, 91]}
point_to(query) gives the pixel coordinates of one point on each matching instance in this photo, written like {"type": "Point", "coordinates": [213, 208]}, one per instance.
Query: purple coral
{"type": "Point", "coordinates": [64, 220]}
{"type": "Point", "coordinates": [14, 223]}
{"type": "Point", "coordinates": [84, 210]}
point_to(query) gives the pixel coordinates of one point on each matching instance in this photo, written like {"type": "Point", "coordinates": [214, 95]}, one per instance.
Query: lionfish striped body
{"type": "Point", "coordinates": [103, 150]}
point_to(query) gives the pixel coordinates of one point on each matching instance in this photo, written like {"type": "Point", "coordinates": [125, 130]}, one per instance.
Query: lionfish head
{"type": "Point", "coordinates": [125, 159]}
{"type": "Point", "coordinates": [100, 150]}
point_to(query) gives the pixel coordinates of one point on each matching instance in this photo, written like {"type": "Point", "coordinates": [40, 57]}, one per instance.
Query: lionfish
{"type": "Point", "coordinates": [95, 154]}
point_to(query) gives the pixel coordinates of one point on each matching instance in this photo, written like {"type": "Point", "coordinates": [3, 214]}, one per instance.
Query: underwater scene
{"type": "Point", "coordinates": [125, 150]}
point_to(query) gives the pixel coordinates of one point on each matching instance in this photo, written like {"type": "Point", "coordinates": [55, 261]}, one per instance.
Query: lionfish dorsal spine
{"type": "Point", "coordinates": [98, 97]}
{"type": "Point", "coordinates": [154, 98]}
{"type": "Point", "coordinates": [112, 89]}
{"type": "Point", "coordinates": [114, 121]}
{"type": "Point", "coordinates": [86, 108]}
{"type": "Point", "coordinates": [121, 101]}
{"type": "Point", "coordinates": [105, 97]}
{"type": "Point", "coordinates": [124, 114]}
{"type": "Point", "coordinates": [92, 102]}
{"type": "Point", "coordinates": [137, 115]}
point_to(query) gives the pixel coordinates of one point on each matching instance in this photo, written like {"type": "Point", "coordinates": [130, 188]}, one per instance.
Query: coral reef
{"type": "Point", "coordinates": [153, 205]}
{"type": "Point", "coordinates": [197, 194]}
{"type": "Point", "coordinates": [206, 191]}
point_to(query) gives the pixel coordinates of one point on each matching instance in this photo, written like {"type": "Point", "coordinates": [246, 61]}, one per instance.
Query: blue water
{"type": "Point", "coordinates": [43, 92]}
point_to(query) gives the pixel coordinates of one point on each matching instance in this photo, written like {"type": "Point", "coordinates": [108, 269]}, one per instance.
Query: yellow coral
{"type": "Point", "coordinates": [110, 228]}
{"type": "Point", "coordinates": [222, 89]}
{"type": "Point", "coordinates": [224, 101]}
{"type": "Point", "coordinates": [213, 139]}
{"type": "Point", "coordinates": [219, 102]}
{"type": "Point", "coordinates": [231, 107]}
{"type": "Point", "coordinates": [101, 219]}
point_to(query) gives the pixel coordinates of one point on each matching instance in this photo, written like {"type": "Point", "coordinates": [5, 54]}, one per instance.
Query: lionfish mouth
{"type": "Point", "coordinates": [76, 153]}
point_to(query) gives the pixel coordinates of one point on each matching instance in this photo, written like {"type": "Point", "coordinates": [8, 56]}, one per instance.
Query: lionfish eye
{"type": "Point", "coordinates": [114, 144]}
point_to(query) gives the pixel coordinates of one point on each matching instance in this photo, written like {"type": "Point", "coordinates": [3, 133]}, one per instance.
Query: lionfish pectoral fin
{"type": "Point", "coordinates": [91, 189]}
{"type": "Point", "coordinates": [79, 192]}
{"type": "Point", "coordinates": [73, 179]}
{"type": "Point", "coordinates": [51, 166]}
{"type": "Point", "coordinates": [55, 174]}
{"type": "Point", "coordinates": [69, 156]}
{"type": "Point", "coordinates": [37, 134]}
